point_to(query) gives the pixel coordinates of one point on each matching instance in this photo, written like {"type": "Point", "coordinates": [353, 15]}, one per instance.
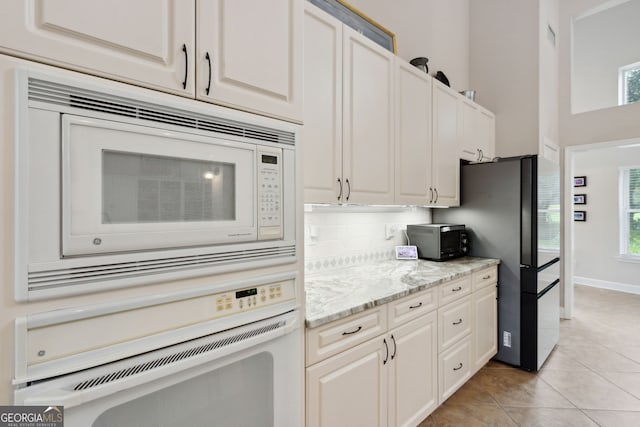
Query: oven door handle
{"type": "Point", "coordinates": [77, 389]}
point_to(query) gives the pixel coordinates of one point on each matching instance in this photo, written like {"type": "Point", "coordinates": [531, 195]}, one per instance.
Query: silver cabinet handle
{"type": "Point", "coordinates": [458, 367]}
{"type": "Point", "coordinates": [353, 332]}
{"type": "Point", "coordinates": [340, 194]}
{"type": "Point", "coordinates": [457, 322]}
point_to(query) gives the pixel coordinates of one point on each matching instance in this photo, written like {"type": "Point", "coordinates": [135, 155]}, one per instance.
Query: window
{"type": "Point", "coordinates": [629, 84]}
{"type": "Point", "coordinates": [630, 211]}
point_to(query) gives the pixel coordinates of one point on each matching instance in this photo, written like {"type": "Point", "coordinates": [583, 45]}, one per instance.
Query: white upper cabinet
{"type": "Point", "coordinates": [413, 136]}
{"type": "Point", "coordinates": [348, 115]}
{"type": "Point", "coordinates": [368, 100]}
{"type": "Point", "coordinates": [322, 130]}
{"type": "Point", "coordinates": [146, 42]}
{"type": "Point", "coordinates": [478, 132]}
{"type": "Point", "coordinates": [250, 55]}
{"type": "Point", "coordinates": [446, 146]}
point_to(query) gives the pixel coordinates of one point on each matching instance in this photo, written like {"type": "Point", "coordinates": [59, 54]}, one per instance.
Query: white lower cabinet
{"type": "Point", "coordinates": [413, 393]}
{"type": "Point", "coordinates": [485, 321]}
{"type": "Point", "coordinates": [350, 388]}
{"type": "Point", "coordinates": [454, 368]}
{"type": "Point", "coordinates": [394, 364]}
{"type": "Point", "coordinates": [389, 380]}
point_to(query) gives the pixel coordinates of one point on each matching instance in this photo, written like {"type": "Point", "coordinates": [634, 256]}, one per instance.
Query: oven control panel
{"type": "Point", "coordinates": [242, 300]}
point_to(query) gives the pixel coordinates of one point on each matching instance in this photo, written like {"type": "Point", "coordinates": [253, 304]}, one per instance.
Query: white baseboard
{"type": "Point", "coordinates": [604, 284]}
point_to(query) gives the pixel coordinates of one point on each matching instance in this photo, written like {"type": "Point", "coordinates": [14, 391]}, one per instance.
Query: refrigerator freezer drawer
{"type": "Point", "coordinates": [548, 322]}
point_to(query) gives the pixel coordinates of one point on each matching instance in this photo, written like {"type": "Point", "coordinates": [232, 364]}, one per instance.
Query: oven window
{"type": "Point", "coordinates": [143, 188]}
{"type": "Point", "coordinates": [236, 395]}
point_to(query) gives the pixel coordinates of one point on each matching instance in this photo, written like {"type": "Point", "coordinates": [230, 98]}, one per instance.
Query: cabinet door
{"type": "Point", "coordinates": [485, 334]}
{"type": "Point", "coordinates": [322, 130]}
{"type": "Point", "coordinates": [139, 42]}
{"type": "Point", "coordinates": [446, 148]}
{"type": "Point", "coordinates": [470, 137]}
{"type": "Point", "coordinates": [486, 125]}
{"type": "Point", "coordinates": [349, 389]}
{"type": "Point", "coordinates": [413, 391]}
{"type": "Point", "coordinates": [413, 135]}
{"type": "Point", "coordinates": [368, 120]}
{"type": "Point", "coordinates": [453, 368]}
{"type": "Point", "coordinates": [254, 50]}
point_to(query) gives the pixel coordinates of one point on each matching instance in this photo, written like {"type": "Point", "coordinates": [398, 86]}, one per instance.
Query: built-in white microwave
{"type": "Point", "coordinates": [120, 186]}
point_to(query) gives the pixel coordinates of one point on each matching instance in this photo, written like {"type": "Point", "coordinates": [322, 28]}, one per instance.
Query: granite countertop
{"type": "Point", "coordinates": [339, 293]}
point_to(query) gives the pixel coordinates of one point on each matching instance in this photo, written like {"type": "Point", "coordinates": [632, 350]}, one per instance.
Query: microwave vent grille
{"type": "Point", "coordinates": [77, 97]}
{"type": "Point", "coordinates": [69, 277]}
{"type": "Point", "coordinates": [218, 342]}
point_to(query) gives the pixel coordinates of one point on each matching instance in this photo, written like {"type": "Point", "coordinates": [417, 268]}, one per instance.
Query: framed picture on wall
{"type": "Point", "coordinates": [580, 216]}
{"type": "Point", "coordinates": [579, 181]}
{"type": "Point", "coordinates": [579, 199]}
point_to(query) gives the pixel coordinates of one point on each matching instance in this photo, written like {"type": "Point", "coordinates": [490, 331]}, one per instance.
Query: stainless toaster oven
{"type": "Point", "coordinates": [438, 242]}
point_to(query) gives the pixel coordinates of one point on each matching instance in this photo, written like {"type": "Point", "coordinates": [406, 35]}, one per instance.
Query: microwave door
{"type": "Point", "coordinates": [129, 187]}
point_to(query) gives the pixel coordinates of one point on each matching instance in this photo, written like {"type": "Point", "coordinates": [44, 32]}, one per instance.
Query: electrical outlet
{"type": "Point", "coordinates": [390, 231]}
{"type": "Point", "coordinates": [506, 339]}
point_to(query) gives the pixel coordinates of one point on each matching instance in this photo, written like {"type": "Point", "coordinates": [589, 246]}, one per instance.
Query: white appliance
{"type": "Point", "coordinates": [119, 186]}
{"type": "Point", "coordinates": [231, 357]}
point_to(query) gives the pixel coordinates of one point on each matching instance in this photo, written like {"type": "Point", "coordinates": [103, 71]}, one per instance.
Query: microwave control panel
{"type": "Point", "coordinates": [252, 298]}
{"type": "Point", "coordinates": [269, 193]}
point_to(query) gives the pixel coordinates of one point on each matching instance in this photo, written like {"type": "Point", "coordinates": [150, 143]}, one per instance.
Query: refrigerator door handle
{"type": "Point", "coordinates": [548, 288]}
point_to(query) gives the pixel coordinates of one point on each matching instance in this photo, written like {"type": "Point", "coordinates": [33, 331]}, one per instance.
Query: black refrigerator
{"type": "Point", "coordinates": [511, 208]}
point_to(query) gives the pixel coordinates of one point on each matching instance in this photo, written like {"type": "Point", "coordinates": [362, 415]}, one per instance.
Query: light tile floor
{"type": "Point", "coordinates": [592, 378]}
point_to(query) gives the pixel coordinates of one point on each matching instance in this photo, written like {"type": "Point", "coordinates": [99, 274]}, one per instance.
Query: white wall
{"type": "Point", "coordinates": [504, 69]}
{"type": "Point", "coordinates": [436, 29]}
{"type": "Point", "coordinates": [341, 236]}
{"type": "Point", "coordinates": [603, 42]}
{"type": "Point", "coordinates": [609, 124]}
{"type": "Point", "coordinates": [596, 241]}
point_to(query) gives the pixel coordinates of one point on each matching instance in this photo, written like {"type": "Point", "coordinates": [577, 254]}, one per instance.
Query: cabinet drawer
{"type": "Point", "coordinates": [454, 369]}
{"type": "Point", "coordinates": [454, 322]}
{"type": "Point", "coordinates": [411, 307]}
{"type": "Point", "coordinates": [484, 278]}
{"type": "Point", "coordinates": [334, 337]}
{"type": "Point", "coordinates": [454, 290]}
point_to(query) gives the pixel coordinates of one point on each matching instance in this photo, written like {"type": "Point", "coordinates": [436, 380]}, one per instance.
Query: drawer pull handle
{"type": "Point", "coordinates": [411, 307]}
{"type": "Point", "coordinates": [353, 332]}
{"type": "Point", "coordinates": [459, 367]}
{"type": "Point", "coordinates": [459, 288]}
{"type": "Point", "coordinates": [488, 276]}
{"type": "Point", "coordinates": [457, 322]}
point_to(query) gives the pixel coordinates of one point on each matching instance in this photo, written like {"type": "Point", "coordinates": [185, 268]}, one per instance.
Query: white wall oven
{"type": "Point", "coordinates": [228, 355]}
{"type": "Point", "coordinates": [117, 187]}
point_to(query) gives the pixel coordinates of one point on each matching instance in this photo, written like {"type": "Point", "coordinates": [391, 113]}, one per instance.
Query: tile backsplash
{"type": "Point", "coordinates": [341, 236]}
